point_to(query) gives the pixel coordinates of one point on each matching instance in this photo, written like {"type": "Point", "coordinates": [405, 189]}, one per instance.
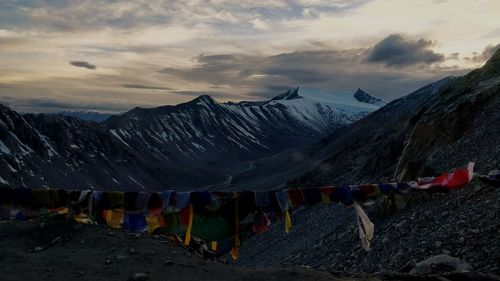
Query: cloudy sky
{"type": "Point", "coordinates": [110, 56]}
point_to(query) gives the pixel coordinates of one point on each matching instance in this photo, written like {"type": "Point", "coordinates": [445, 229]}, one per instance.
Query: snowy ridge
{"type": "Point", "coordinates": [366, 97]}
{"type": "Point", "coordinates": [209, 131]}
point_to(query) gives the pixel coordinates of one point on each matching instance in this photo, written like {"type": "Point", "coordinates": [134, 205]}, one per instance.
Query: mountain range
{"type": "Point", "coordinates": [191, 145]}
{"type": "Point", "coordinates": [441, 125]}
{"type": "Point", "coordinates": [86, 115]}
{"type": "Point", "coordinates": [303, 137]}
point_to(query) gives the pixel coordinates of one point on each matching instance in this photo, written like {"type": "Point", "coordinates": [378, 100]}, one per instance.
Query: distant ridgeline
{"type": "Point", "coordinates": [222, 219]}
{"type": "Point", "coordinates": [186, 146]}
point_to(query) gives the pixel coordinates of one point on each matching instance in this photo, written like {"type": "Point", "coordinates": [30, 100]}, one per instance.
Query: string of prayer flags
{"type": "Point", "coordinates": [212, 216]}
{"type": "Point", "coordinates": [181, 200]}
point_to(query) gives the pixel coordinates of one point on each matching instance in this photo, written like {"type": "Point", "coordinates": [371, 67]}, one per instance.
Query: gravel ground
{"type": "Point", "coordinates": [463, 223]}
{"type": "Point", "coordinates": [67, 251]}
{"type": "Point", "coordinates": [323, 245]}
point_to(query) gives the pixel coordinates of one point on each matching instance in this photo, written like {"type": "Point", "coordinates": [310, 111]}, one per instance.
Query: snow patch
{"type": "Point", "coordinates": [3, 181]}
{"type": "Point", "coordinates": [3, 148]}
{"type": "Point", "coordinates": [143, 187]}
{"type": "Point", "coordinates": [118, 137]}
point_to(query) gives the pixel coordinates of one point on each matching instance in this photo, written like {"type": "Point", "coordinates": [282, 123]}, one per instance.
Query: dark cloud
{"type": "Point", "coordinates": [299, 75]}
{"type": "Point", "coordinates": [397, 51]}
{"type": "Point", "coordinates": [279, 89]}
{"type": "Point", "coordinates": [339, 70]}
{"type": "Point", "coordinates": [138, 86]}
{"type": "Point", "coordinates": [306, 67]}
{"type": "Point", "coordinates": [83, 64]}
{"type": "Point", "coordinates": [485, 55]}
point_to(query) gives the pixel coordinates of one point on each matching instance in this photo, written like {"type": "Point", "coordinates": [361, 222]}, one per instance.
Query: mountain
{"type": "Point", "coordinates": [66, 152]}
{"type": "Point", "coordinates": [222, 134]}
{"type": "Point", "coordinates": [191, 145]}
{"type": "Point", "coordinates": [366, 97]}
{"type": "Point", "coordinates": [86, 115]}
{"type": "Point", "coordinates": [353, 142]}
{"type": "Point", "coordinates": [444, 124]}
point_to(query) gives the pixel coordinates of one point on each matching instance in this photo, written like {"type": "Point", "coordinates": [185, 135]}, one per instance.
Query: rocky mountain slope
{"type": "Point", "coordinates": [93, 252]}
{"type": "Point", "coordinates": [57, 151]}
{"type": "Point", "coordinates": [352, 141]}
{"type": "Point", "coordinates": [463, 224]}
{"type": "Point", "coordinates": [180, 147]}
{"type": "Point", "coordinates": [444, 124]}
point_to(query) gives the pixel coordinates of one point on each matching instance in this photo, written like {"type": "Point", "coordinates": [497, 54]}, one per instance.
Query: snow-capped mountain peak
{"type": "Point", "coordinates": [288, 95]}
{"type": "Point", "coordinates": [366, 97]}
{"type": "Point", "coordinates": [341, 101]}
{"type": "Point", "coordinates": [203, 100]}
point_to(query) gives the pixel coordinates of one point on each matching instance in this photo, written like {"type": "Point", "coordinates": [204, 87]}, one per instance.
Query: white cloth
{"type": "Point", "coordinates": [366, 227]}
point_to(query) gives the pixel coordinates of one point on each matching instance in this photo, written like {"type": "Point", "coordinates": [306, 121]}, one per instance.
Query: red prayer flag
{"type": "Point", "coordinates": [456, 179]}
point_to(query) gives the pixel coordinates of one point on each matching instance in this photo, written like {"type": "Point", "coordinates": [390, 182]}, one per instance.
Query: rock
{"type": "Point", "coordinates": [82, 242]}
{"type": "Point", "coordinates": [169, 262]}
{"type": "Point", "coordinates": [57, 239]}
{"type": "Point", "coordinates": [140, 276]}
{"type": "Point", "coordinates": [121, 257]}
{"type": "Point", "coordinates": [111, 233]}
{"type": "Point", "coordinates": [38, 249]}
{"type": "Point", "coordinates": [438, 243]}
{"type": "Point", "coordinates": [440, 263]}
{"type": "Point", "coordinates": [107, 262]}
{"type": "Point", "coordinates": [132, 251]}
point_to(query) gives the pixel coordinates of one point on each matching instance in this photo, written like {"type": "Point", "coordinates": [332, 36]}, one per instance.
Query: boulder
{"type": "Point", "coordinates": [440, 263]}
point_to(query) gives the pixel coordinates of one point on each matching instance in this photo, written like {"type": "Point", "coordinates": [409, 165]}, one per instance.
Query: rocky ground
{"type": "Point", "coordinates": [68, 251]}
{"type": "Point", "coordinates": [63, 250]}
{"type": "Point", "coordinates": [463, 223]}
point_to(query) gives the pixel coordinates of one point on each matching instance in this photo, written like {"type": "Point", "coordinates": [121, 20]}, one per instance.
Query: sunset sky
{"type": "Point", "coordinates": [58, 55]}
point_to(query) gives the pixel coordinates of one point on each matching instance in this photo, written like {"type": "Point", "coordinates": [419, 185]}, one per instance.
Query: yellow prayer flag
{"type": "Point", "coordinates": [288, 222]}
{"type": "Point", "coordinates": [190, 226]}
